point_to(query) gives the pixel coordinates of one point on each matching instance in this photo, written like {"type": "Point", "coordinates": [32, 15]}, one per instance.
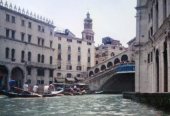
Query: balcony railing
{"type": "Point", "coordinates": [35, 64]}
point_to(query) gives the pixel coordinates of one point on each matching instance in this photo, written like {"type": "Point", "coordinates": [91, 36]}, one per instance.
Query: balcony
{"type": "Point", "coordinates": [40, 65]}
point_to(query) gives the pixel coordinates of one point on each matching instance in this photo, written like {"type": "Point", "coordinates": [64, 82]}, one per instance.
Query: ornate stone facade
{"type": "Point", "coordinates": [152, 46]}
{"type": "Point", "coordinates": [30, 48]}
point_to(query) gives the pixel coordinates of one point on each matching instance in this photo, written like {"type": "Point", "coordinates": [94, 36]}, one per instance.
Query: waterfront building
{"type": "Point", "coordinates": [74, 55]}
{"type": "Point", "coordinates": [108, 49]}
{"type": "Point", "coordinates": [32, 51]}
{"type": "Point", "coordinates": [152, 46]}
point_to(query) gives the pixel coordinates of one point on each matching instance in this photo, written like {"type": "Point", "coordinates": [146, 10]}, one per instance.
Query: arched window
{"type": "Point", "coordinates": [29, 56]}
{"type": "Point", "coordinates": [7, 53]}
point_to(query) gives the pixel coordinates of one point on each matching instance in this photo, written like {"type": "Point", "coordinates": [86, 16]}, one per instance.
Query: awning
{"type": "Point", "coordinates": [60, 80]}
{"type": "Point", "coordinates": [79, 78]}
{"type": "Point", "coordinates": [70, 79]}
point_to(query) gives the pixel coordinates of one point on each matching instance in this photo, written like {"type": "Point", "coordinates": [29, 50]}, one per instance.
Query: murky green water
{"type": "Point", "coordinates": [87, 105]}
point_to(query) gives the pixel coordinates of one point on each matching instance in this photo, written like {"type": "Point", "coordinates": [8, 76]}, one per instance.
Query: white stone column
{"type": "Point", "coordinates": [168, 55]}
{"type": "Point", "coordinates": [161, 69]}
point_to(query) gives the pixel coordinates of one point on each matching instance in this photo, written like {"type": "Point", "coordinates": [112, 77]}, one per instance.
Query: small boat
{"type": "Point", "coordinates": [54, 93]}
{"type": "Point", "coordinates": [98, 92]}
{"type": "Point", "coordinates": [19, 95]}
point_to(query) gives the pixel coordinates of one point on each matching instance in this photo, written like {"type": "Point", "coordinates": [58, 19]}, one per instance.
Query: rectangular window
{"type": "Point", "coordinates": [78, 67]}
{"type": "Point", "coordinates": [69, 57]}
{"type": "Point", "coordinates": [51, 59]}
{"type": "Point", "coordinates": [29, 25]}
{"type": "Point", "coordinates": [79, 58]}
{"type": "Point", "coordinates": [148, 58]}
{"type": "Point", "coordinates": [40, 72]}
{"type": "Point", "coordinates": [42, 59]}
{"type": "Point", "coordinates": [51, 44]}
{"type": "Point", "coordinates": [59, 56]}
{"type": "Point", "coordinates": [50, 73]}
{"type": "Point", "coordinates": [88, 59]}
{"type": "Point", "coordinates": [39, 28]}
{"type": "Point", "coordinates": [51, 32]}
{"type": "Point", "coordinates": [22, 56]}
{"type": "Point", "coordinates": [7, 33]}
{"type": "Point", "coordinates": [29, 56]}
{"type": "Point", "coordinates": [43, 30]}
{"type": "Point", "coordinates": [13, 34]}
{"type": "Point", "coordinates": [29, 70]}
{"type": "Point", "coordinates": [29, 38]}
{"type": "Point", "coordinates": [89, 50]}
{"type": "Point", "coordinates": [69, 67]}
{"type": "Point", "coordinates": [13, 54]}
{"type": "Point", "coordinates": [38, 58]}
{"type": "Point", "coordinates": [39, 39]}
{"type": "Point", "coordinates": [7, 53]}
{"type": "Point", "coordinates": [59, 46]}
{"type": "Point", "coordinates": [13, 19]}
{"type": "Point", "coordinates": [42, 42]}
{"type": "Point", "coordinates": [59, 38]}
{"type": "Point", "coordinates": [78, 41]}
{"type": "Point", "coordinates": [22, 36]}
{"type": "Point", "coordinates": [22, 22]}
{"type": "Point", "coordinates": [151, 56]}
{"type": "Point", "coordinates": [7, 17]}
{"type": "Point", "coordinates": [88, 43]}
{"type": "Point", "coordinates": [59, 66]}
{"type": "Point", "coordinates": [69, 40]}
{"type": "Point", "coordinates": [42, 82]}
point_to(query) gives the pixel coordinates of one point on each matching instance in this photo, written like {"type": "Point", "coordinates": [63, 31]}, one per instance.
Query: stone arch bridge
{"type": "Point", "coordinates": [114, 75]}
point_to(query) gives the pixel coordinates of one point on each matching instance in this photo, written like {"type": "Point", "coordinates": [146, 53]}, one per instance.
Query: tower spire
{"type": "Point", "coordinates": [88, 33]}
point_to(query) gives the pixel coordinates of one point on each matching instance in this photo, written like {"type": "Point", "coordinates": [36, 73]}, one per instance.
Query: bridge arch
{"type": "Point", "coordinates": [103, 67]}
{"type": "Point", "coordinates": [124, 57]}
{"type": "Point", "coordinates": [96, 70]}
{"type": "Point", "coordinates": [109, 64]}
{"type": "Point", "coordinates": [91, 73]}
{"type": "Point", "coordinates": [116, 61]}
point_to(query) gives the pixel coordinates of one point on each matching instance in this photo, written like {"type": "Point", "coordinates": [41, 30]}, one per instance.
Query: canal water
{"type": "Point", "coordinates": [87, 105]}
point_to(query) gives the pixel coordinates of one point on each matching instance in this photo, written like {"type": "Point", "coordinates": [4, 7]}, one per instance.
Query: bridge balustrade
{"type": "Point", "coordinates": [119, 68]}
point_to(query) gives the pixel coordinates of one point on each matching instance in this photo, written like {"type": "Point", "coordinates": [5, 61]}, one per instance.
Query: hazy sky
{"type": "Point", "coordinates": [114, 18]}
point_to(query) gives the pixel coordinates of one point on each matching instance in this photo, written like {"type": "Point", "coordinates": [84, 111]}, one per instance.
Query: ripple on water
{"type": "Point", "coordinates": [88, 105]}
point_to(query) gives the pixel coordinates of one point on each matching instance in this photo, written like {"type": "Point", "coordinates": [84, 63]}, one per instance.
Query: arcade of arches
{"type": "Point", "coordinates": [16, 74]}
{"type": "Point", "coordinates": [123, 58]}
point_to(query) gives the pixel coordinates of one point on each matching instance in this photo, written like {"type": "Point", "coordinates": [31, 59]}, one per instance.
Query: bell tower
{"type": "Point", "coordinates": [88, 33]}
